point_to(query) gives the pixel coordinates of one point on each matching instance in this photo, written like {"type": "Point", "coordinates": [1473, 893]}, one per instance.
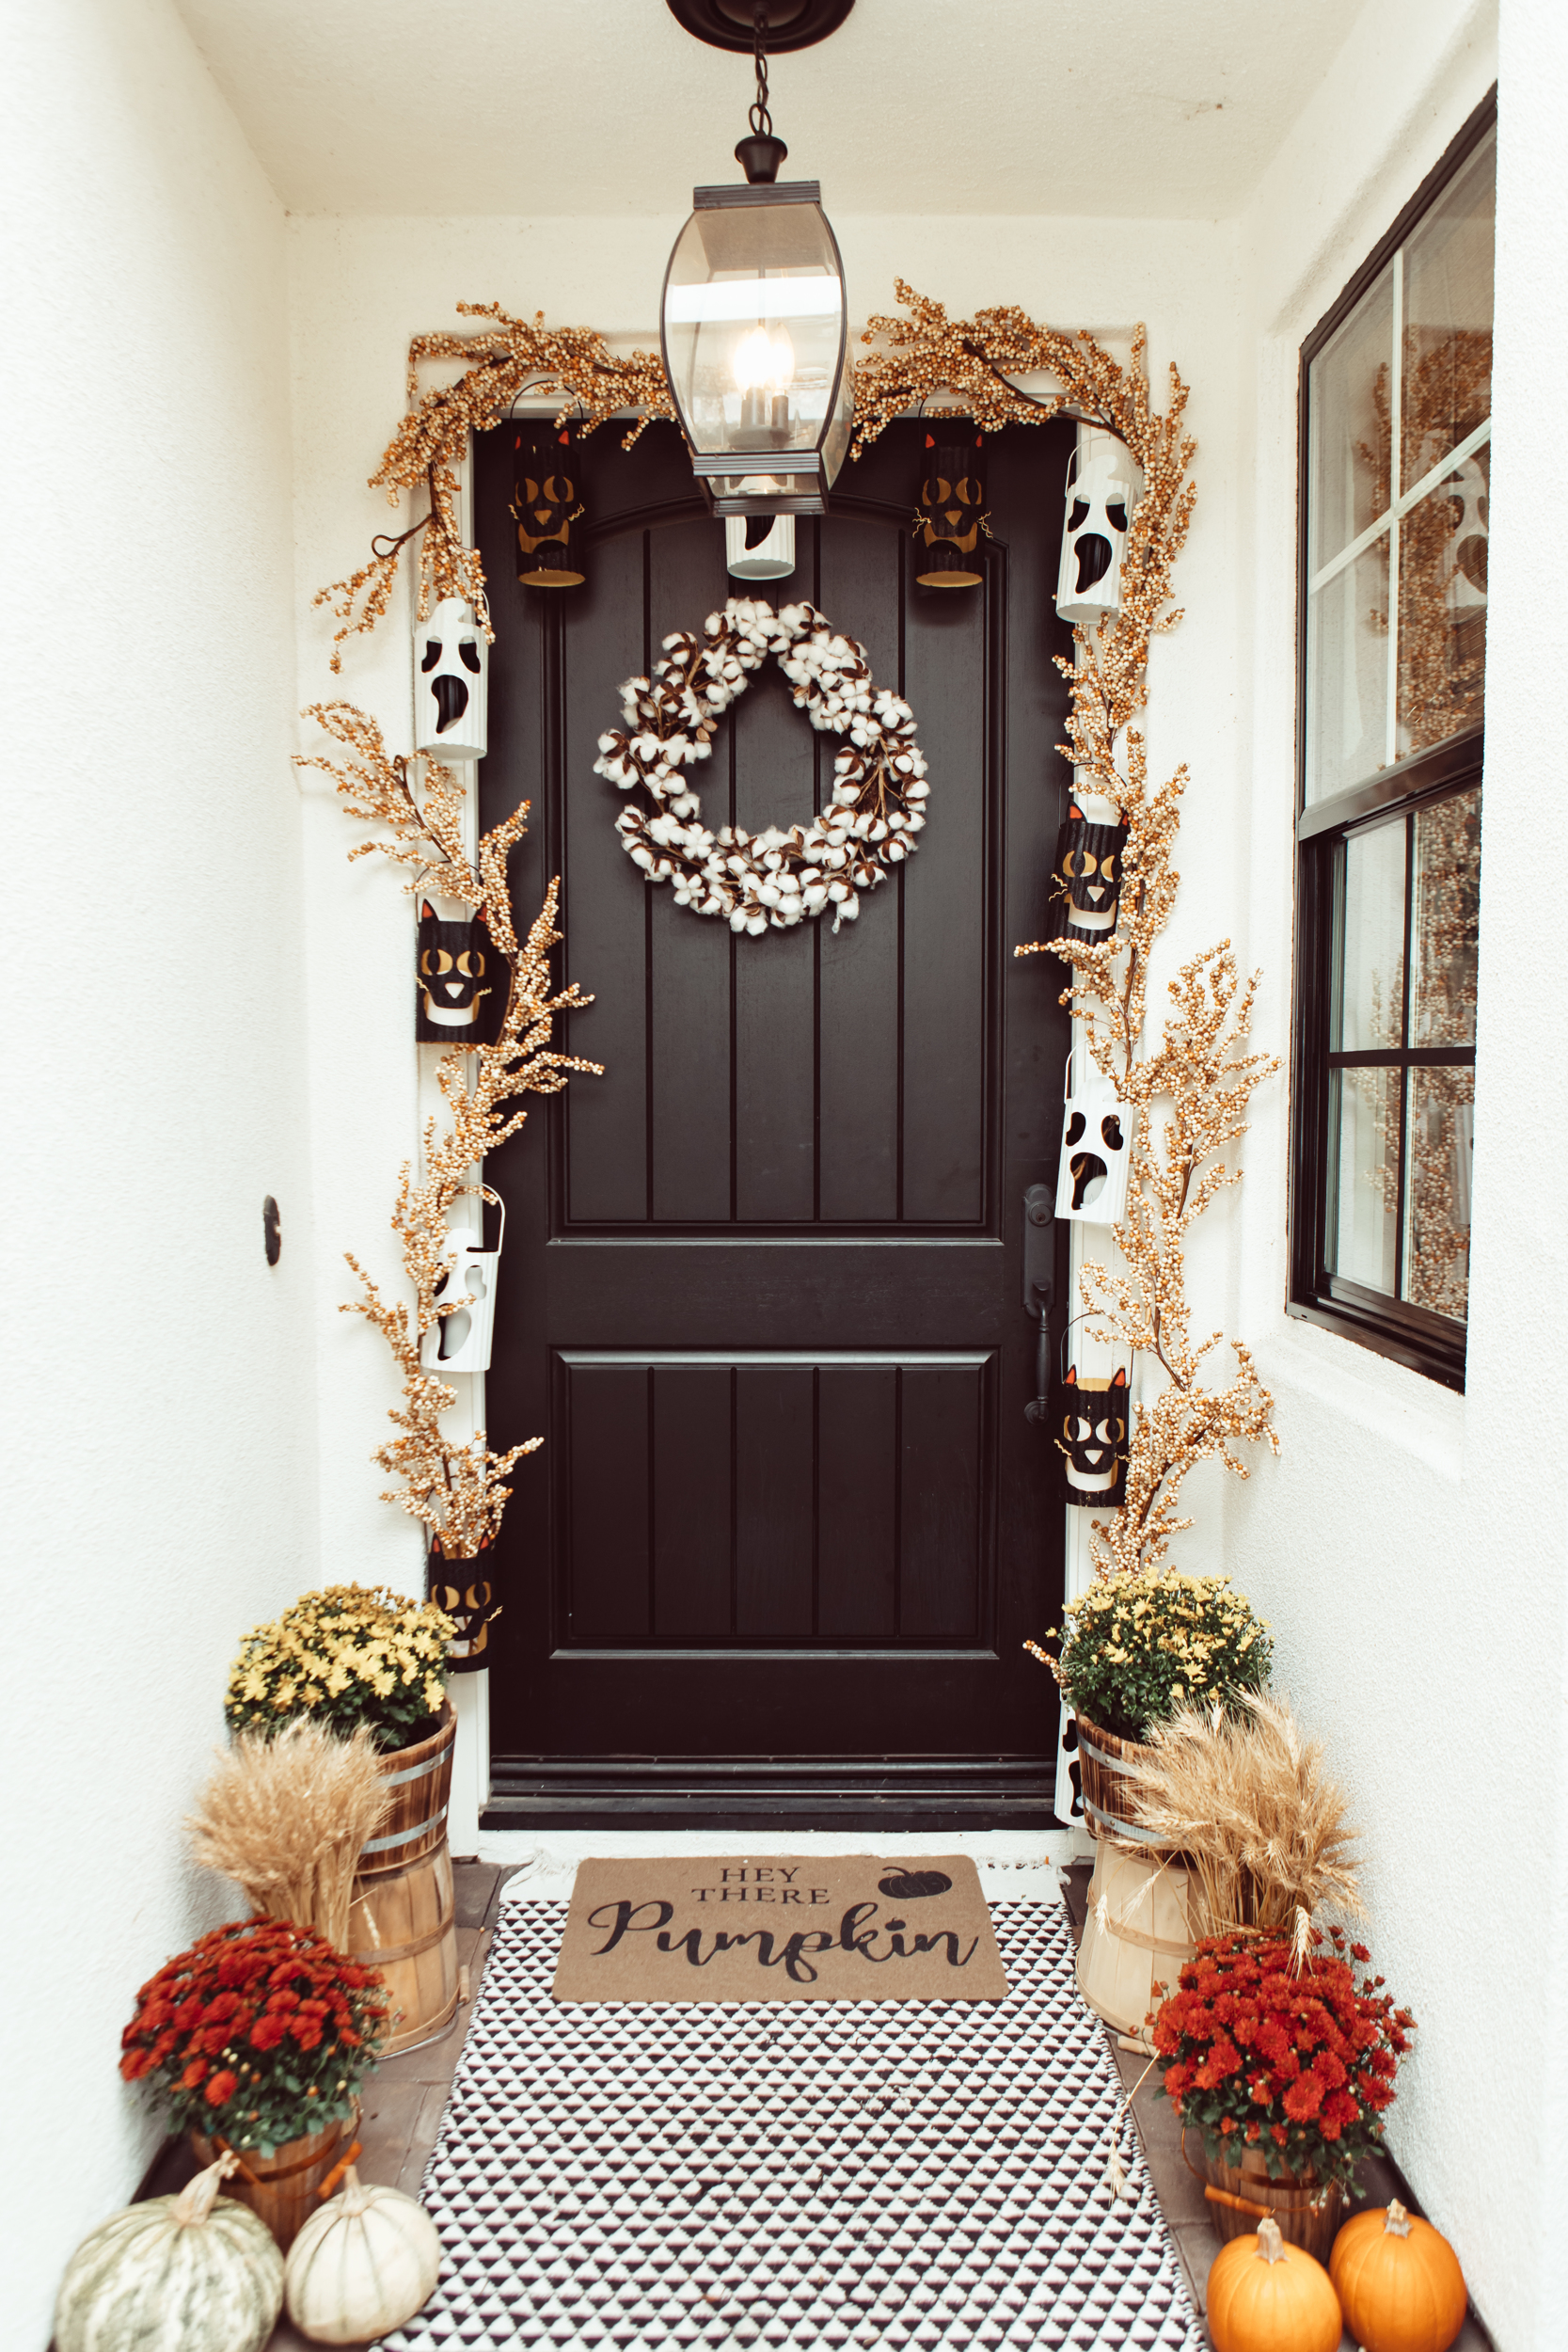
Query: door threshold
{"type": "Point", "coordinates": [796, 1797]}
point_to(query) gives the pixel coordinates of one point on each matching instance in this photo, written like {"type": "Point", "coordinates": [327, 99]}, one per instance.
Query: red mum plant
{"type": "Point", "coordinates": [1292, 2058]}
{"type": "Point", "coordinates": [259, 2034]}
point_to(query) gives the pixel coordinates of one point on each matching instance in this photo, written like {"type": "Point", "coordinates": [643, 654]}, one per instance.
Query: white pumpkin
{"type": "Point", "coordinates": [192, 2273]}
{"type": "Point", "coordinates": [365, 2263]}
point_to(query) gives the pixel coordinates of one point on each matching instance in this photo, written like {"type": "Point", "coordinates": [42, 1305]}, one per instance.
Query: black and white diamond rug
{"type": "Point", "coordinates": [862, 2173]}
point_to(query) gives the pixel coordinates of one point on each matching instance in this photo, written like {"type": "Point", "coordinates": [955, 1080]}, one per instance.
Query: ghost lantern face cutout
{"type": "Point", "coordinates": [1101, 492]}
{"type": "Point", "coordinates": [451, 679]}
{"type": "Point", "coordinates": [1085, 882]}
{"type": "Point", "coordinates": [949, 518]}
{"type": "Point", "coordinates": [1093, 1433]}
{"type": "Point", "coordinates": [1097, 1134]}
{"type": "Point", "coordinates": [457, 1001]}
{"type": "Point", "coordinates": [545, 505]}
{"type": "Point", "coordinates": [460, 1340]}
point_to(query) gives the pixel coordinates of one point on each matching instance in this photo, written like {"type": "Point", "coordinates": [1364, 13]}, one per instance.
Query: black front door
{"type": "Point", "coordinates": [763, 1292]}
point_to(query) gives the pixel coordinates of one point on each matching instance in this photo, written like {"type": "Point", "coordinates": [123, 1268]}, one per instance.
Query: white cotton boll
{"type": "Point", "coordinates": [837, 857]}
{"type": "Point", "coordinates": [848, 911]}
{"type": "Point", "coordinates": [914, 820]}
{"type": "Point", "coordinates": [737, 919]}
{"type": "Point", "coordinates": [896, 850]}
{"type": "Point", "coordinates": [839, 890]}
{"type": "Point", "coordinates": [861, 825]}
{"type": "Point", "coordinates": [916, 791]}
{"type": "Point", "coordinates": [757, 925]}
{"type": "Point", "coordinates": [768, 893]}
{"type": "Point", "coordinates": [643, 857]}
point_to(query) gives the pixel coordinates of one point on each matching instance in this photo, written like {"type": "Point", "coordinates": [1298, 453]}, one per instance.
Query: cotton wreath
{"type": "Point", "coordinates": [772, 878]}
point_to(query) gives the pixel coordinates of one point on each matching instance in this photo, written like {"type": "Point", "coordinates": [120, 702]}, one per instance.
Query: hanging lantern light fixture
{"type": "Point", "coordinates": [754, 330]}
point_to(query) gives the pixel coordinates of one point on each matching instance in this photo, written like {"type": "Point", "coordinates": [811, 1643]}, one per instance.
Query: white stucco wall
{"type": "Point", "coordinates": [159, 1485]}
{"type": "Point", "coordinates": [1409, 1547]}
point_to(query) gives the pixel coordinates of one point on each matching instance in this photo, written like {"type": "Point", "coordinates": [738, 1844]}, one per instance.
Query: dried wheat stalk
{"type": "Point", "coordinates": [286, 1818]}
{"type": "Point", "coordinates": [1259, 1821]}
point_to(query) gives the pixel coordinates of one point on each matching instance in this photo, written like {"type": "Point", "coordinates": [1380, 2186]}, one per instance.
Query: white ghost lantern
{"type": "Point", "coordinates": [1097, 1138]}
{"type": "Point", "coordinates": [1101, 492]}
{"type": "Point", "coordinates": [461, 1342]}
{"type": "Point", "coordinates": [1464, 588]}
{"type": "Point", "coordinates": [450, 676]}
{"type": "Point", "coordinates": [759, 547]}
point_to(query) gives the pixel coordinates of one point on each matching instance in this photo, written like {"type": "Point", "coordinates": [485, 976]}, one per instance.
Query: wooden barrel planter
{"type": "Point", "coordinates": [403, 1918]}
{"type": "Point", "coordinates": [1239, 2196]}
{"type": "Point", "coordinates": [285, 2188]}
{"type": "Point", "coordinates": [1142, 1898]}
{"type": "Point", "coordinates": [1110, 1806]}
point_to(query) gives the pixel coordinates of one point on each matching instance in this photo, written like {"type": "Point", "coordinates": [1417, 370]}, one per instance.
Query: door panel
{"type": "Point", "coordinates": [763, 1285]}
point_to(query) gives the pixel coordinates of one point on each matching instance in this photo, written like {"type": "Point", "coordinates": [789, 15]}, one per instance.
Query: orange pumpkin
{"type": "Point", "coordinates": [1399, 2280]}
{"type": "Point", "coordinates": [1267, 2297]}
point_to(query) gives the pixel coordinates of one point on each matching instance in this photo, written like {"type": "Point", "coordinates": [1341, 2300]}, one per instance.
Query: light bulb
{"type": "Point", "coordinates": [780, 362]}
{"type": "Point", "coordinates": [753, 361]}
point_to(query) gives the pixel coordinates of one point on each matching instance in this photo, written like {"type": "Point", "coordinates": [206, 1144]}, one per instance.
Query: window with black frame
{"type": "Point", "coordinates": [1396, 400]}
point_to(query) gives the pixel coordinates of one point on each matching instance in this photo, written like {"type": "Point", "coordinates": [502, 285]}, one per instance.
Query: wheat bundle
{"type": "Point", "coordinates": [1248, 1801]}
{"type": "Point", "coordinates": [286, 1817]}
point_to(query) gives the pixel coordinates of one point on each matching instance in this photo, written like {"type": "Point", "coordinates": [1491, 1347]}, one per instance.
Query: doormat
{"type": "Point", "coordinates": [812, 2175]}
{"type": "Point", "coordinates": [786, 1928]}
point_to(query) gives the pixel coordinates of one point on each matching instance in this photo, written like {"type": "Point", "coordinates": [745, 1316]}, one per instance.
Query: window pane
{"type": "Point", "coordinates": [1448, 318]}
{"type": "Point", "coordinates": [1437, 1215]}
{"type": "Point", "coordinates": [1443, 922]}
{"type": "Point", "coordinates": [1347, 669]}
{"type": "Point", "coordinates": [1364, 1178]}
{"type": "Point", "coordinates": [1348, 397]}
{"type": "Point", "coordinates": [1442, 669]}
{"type": "Point", "coordinates": [1368, 1011]}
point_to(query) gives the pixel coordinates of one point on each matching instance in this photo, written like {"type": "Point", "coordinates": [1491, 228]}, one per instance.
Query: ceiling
{"type": "Point", "coordinates": [1130, 108]}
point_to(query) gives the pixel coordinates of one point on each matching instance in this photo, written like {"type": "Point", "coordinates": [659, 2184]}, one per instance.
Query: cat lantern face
{"type": "Point", "coordinates": [545, 505]}
{"type": "Point", "coordinates": [457, 999]}
{"type": "Point", "coordinates": [1085, 881]}
{"type": "Point", "coordinates": [1096, 1135]}
{"type": "Point", "coordinates": [1101, 492]}
{"type": "Point", "coordinates": [1093, 1432]}
{"type": "Point", "coordinates": [949, 518]}
{"type": "Point", "coordinates": [460, 1587]}
{"type": "Point", "coordinates": [450, 676]}
{"type": "Point", "coordinates": [460, 1340]}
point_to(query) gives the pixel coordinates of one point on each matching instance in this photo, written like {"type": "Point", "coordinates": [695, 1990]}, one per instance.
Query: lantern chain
{"type": "Point", "coordinates": [761, 120]}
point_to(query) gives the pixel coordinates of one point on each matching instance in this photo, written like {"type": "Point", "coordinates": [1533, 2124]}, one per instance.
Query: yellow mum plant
{"type": "Point", "coordinates": [352, 1654]}
{"type": "Point", "coordinates": [1135, 1648]}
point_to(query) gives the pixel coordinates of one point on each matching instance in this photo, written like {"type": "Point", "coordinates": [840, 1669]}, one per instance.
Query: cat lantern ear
{"type": "Point", "coordinates": [450, 682]}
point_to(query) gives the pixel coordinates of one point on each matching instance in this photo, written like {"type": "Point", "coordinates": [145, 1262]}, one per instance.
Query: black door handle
{"type": "Point", "coordinates": [1040, 1249]}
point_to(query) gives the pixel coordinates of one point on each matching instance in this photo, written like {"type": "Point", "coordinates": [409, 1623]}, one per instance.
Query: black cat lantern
{"type": "Point", "coordinates": [460, 1587]}
{"type": "Point", "coordinates": [950, 517]}
{"type": "Point", "coordinates": [452, 675]}
{"type": "Point", "coordinates": [460, 1342]}
{"type": "Point", "coordinates": [1097, 1134]}
{"type": "Point", "coordinates": [460, 981]}
{"type": "Point", "coordinates": [545, 505]}
{"type": "Point", "coordinates": [1085, 880]}
{"type": "Point", "coordinates": [1092, 1424]}
{"type": "Point", "coordinates": [1101, 492]}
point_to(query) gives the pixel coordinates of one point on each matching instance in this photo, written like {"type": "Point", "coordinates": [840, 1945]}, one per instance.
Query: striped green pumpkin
{"type": "Point", "coordinates": [192, 2273]}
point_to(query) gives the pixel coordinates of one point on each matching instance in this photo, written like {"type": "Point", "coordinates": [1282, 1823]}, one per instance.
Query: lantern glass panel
{"type": "Point", "coordinates": [755, 333]}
